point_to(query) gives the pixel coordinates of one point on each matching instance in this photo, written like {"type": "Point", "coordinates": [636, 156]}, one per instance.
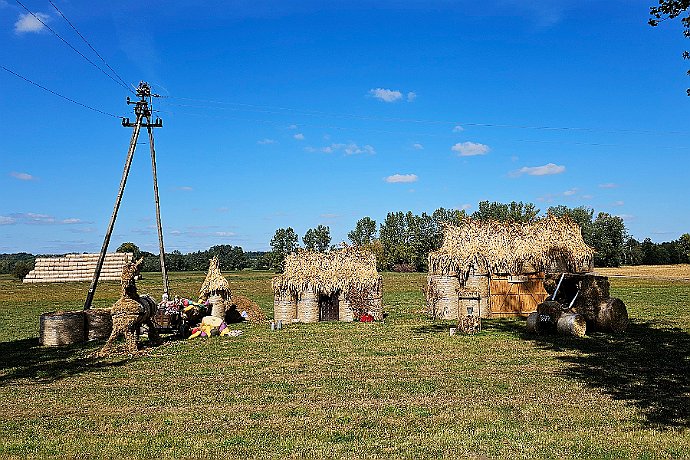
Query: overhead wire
{"type": "Point", "coordinates": [58, 94]}
{"type": "Point", "coordinates": [73, 48]}
{"type": "Point", "coordinates": [88, 44]}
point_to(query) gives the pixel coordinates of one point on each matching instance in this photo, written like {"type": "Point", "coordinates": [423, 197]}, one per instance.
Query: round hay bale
{"type": "Point", "coordinates": [308, 307]}
{"type": "Point", "coordinates": [571, 324]}
{"type": "Point", "coordinates": [612, 316]}
{"type": "Point", "coordinates": [550, 308]}
{"type": "Point", "coordinates": [62, 328]}
{"type": "Point", "coordinates": [217, 306]}
{"type": "Point", "coordinates": [99, 323]}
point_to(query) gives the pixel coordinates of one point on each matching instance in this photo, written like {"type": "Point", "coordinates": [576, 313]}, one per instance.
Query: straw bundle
{"type": "Point", "coordinates": [308, 307]}
{"type": "Point", "coordinates": [284, 307]}
{"type": "Point", "coordinates": [546, 245]}
{"type": "Point", "coordinates": [327, 273]}
{"type": "Point", "coordinates": [62, 328]}
{"type": "Point", "coordinates": [215, 283]}
{"type": "Point", "coordinates": [254, 313]}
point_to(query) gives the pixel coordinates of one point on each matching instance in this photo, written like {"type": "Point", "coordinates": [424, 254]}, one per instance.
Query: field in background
{"type": "Point", "coordinates": [667, 272]}
{"type": "Point", "coordinates": [402, 388]}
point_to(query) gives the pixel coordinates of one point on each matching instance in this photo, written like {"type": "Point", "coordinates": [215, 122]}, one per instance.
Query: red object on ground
{"type": "Point", "coordinates": [366, 318]}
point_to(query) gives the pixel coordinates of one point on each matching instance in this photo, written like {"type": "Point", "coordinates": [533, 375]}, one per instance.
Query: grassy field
{"type": "Point", "coordinates": [399, 389]}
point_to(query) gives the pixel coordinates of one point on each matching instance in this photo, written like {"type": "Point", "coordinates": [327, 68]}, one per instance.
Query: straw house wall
{"type": "Point", "coordinates": [497, 268]}
{"type": "Point", "coordinates": [338, 285]}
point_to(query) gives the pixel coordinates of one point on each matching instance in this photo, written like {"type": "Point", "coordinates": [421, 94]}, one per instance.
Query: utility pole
{"type": "Point", "coordinates": [142, 110]}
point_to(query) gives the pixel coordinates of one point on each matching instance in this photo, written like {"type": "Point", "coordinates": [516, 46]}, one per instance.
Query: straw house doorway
{"type": "Point", "coordinates": [329, 308]}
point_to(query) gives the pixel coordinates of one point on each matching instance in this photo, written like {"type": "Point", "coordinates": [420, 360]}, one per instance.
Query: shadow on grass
{"type": "Point", "coordinates": [27, 359]}
{"type": "Point", "coordinates": [433, 328]}
{"type": "Point", "coordinates": [645, 366]}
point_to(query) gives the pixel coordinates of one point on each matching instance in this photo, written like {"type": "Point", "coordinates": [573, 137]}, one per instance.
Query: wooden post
{"type": "Point", "coordinates": [109, 231]}
{"type": "Point", "coordinates": [158, 210]}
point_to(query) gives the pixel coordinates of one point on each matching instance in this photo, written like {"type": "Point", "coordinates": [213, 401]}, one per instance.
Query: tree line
{"type": "Point", "coordinates": [404, 239]}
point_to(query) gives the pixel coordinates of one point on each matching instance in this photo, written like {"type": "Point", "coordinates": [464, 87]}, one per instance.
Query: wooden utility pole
{"type": "Point", "coordinates": [142, 110]}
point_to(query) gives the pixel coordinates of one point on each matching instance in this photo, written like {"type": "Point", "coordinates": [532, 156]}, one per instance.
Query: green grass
{"type": "Point", "coordinates": [398, 389]}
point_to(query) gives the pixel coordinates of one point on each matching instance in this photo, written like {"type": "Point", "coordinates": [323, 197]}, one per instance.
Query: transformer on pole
{"type": "Point", "coordinates": [142, 111]}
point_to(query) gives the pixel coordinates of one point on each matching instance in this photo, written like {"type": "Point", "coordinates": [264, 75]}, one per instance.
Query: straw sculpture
{"type": "Point", "coordinates": [349, 272]}
{"type": "Point", "coordinates": [215, 289]}
{"type": "Point", "coordinates": [131, 311]}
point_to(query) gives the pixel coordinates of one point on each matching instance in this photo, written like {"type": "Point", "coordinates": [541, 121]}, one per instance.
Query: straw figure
{"type": "Point", "coordinates": [495, 269]}
{"type": "Point", "coordinates": [216, 290]}
{"type": "Point", "coordinates": [131, 311]}
{"type": "Point", "coordinates": [339, 285]}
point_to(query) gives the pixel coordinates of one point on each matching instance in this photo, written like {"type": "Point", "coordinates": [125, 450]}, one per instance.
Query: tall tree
{"type": "Point", "coordinates": [671, 9]}
{"type": "Point", "coordinates": [317, 239]}
{"type": "Point", "coordinates": [582, 215]}
{"type": "Point", "coordinates": [130, 247]}
{"type": "Point", "coordinates": [513, 211]}
{"type": "Point", "coordinates": [609, 238]}
{"type": "Point", "coordinates": [364, 232]}
{"type": "Point", "coordinates": [283, 243]}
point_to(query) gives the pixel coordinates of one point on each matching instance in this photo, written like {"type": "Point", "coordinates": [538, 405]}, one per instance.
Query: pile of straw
{"type": "Point", "coordinates": [214, 284]}
{"type": "Point", "coordinates": [349, 268]}
{"type": "Point", "coordinates": [509, 247]}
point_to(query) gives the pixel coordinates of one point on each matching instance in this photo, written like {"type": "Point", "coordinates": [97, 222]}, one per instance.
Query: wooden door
{"type": "Point", "coordinates": [516, 295]}
{"type": "Point", "coordinates": [328, 307]}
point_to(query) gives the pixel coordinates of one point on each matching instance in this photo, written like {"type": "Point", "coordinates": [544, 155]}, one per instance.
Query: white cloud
{"type": "Point", "coordinates": [266, 141]}
{"type": "Point", "coordinates": [292, 127]}
{"type": "Point", "coordinates": [386, 95]}
{"type": "Point", "coordinates": [619, 203]}
{"type": "Point", "coordinates": [458, 129]}
{"type": "Point", "coordinates": [608, 185]}
{"type": "Point", "coordinates": [299, 136]}
{"type": "Point", "coordinates": [354, 149]}
{"type": "Point", "coordinates": [466, 207]}
{"type": "Point", "coordinates": [224, 234]}
{"type": "Point", "coordinates": [468, 149]}
{"type": "Point", "coordinates": [27, 23]}
{"type": "Point", "coordinates": [329, 216]}
{"type": "Point", "coordinates": [22, 176]}
{"type": "Point", "coordinates": [71, 220]}
{"type": "Point", "coordinates": [185, 188]}
{"type": "Point", "coordinates": [418, 146]}
{"type": "Point", "coordinates": [570, 192]}
{"type": "Point", "coordinates": [32, 218]}
{"type": "Point", "coordinates": [411, 96]}
{"type": "Point", "coordinates": [401, 178]}
{"type": "Point", "coordinates": [4, 220]}
{"type": "Point", "coordinates": [545, 170]}
{"type": "Point", "coordinates": [587, 197]}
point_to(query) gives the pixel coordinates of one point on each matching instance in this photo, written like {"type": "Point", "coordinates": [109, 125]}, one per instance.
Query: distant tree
{"type": "Point", "coordinates": [22, 268]}
{"type": "Point", "coordinates": [513, 211]}
{"type": "Point", "coordinates": [317, 239]}
{"type": "Point", "coordinates": [130, 247]}
{"type": "Point", "coordinates": [671, 9]}
{"type": "Point", "coordinates": [609, 236]}
{"type": "Point", "coordinates": [633, 253]}
{"type": "Point", "coordinates": [364, 232]}
{"type": "Point", "coordinates": [229, 257]}
{"type": "Point", "coordinates": [396, 240]}
{"type": "Point", "coordinates": [684, 243]}
{"type": "Point", "coordinates": [444, 216]}
{"type": "Point", "coordinates": [175, 262]}
{"type": "Point", "coordinates": [283, 243]}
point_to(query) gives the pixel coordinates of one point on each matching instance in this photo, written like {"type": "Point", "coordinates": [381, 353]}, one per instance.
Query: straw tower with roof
{"type": "Point", "coordinates": [215, 289]}
{"type": "Point", "coordinates": [495, 269]}
{"type": "Point", "coordinates": [340, 285]}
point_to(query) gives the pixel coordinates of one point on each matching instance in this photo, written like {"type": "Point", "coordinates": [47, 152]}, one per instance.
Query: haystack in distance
{"type": "Point", "coordinates": [337, 285]}
{"type": "Point", "coordinates": [495, 269]}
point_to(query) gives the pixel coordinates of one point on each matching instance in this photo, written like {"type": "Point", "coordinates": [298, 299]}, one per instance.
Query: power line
{"type": "Point", "coordinates": [58, 94]}
{"type": "Point", "coordinates": [279, 110]}
{"type": "Point", "coordinates": [73, 48]}
{"type": "Point", "coordinates": [87, 42]}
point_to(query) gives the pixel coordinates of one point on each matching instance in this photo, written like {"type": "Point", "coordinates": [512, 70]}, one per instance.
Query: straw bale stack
{"type": "Point", "coordinates": [348, 273]}
{"type": "Point", "coordinates": [77, 267]}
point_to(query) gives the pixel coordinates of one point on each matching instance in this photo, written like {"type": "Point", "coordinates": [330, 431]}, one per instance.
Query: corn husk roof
{"type": "Point", "coordinates": [215, 282]}
{"type": "Point", "coordinates": [511, 248]}
{"type": "Point", "coordinates": [343, 269]}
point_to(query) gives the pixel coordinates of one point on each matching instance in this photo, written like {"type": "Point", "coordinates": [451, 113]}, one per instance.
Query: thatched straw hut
{"type": "Point", "coordinates": [215, 289]}
{"type": "Point", "coordinates": [338, 285]}
{"type": "Point", "coordinates": [494, 269]}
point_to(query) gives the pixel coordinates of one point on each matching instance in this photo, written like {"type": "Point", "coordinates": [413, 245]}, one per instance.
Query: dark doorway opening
{"type": "Point", "coordinates": [328, 307]}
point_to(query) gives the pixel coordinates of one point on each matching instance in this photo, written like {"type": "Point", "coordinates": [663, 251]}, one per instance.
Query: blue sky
{"type": "Point", "coordinates": [302, 113]}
